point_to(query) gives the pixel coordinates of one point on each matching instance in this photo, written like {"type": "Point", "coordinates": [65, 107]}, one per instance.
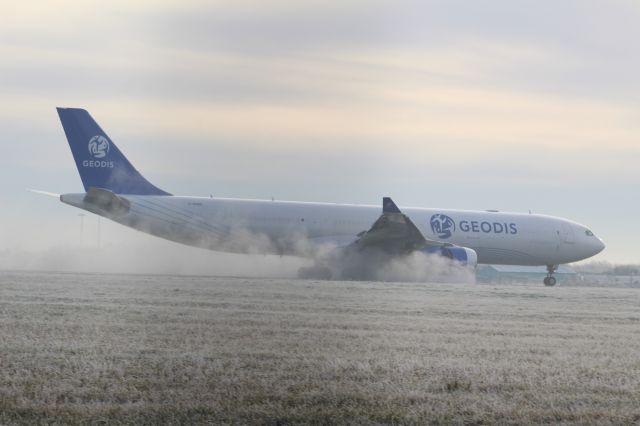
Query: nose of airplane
{"type": "Point", "coordinates": [598, 245]}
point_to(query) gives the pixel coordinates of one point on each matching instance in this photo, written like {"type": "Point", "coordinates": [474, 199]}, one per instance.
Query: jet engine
{"type": "Point", "coordinates": [463, 255]}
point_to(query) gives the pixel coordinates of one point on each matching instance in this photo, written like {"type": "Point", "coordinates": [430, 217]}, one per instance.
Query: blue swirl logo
{"type": "Point", "coordinates": [442, 225]}
{"type": "Point", "coordinates": [98, 146]}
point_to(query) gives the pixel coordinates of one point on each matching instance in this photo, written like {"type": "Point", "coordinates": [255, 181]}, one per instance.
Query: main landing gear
{"type": "Point", "coordinates": [550, 280]}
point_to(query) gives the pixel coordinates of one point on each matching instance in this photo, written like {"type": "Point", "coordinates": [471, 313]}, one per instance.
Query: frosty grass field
{"type": "Point", "coordinates": [90, 348]}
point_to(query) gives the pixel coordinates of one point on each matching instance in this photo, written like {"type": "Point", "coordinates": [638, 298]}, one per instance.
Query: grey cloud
{"type": "Point", "coordinates": [590, 25]}
{"type": "Point", "coordinates": [588, 45]}
{"type": "Point", "coordinates": [591, 41]}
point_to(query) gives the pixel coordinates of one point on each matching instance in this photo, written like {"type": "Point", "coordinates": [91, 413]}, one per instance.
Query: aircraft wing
{"type": "Point", "coordinates": [393, 232]}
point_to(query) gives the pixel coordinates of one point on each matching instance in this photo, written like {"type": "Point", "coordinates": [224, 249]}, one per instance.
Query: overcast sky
{"type": "Point", "coordinates": [512, 105]}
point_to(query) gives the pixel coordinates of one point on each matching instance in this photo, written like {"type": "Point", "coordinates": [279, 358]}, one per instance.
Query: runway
{"type": "Point", "coordinates": [80, 348]}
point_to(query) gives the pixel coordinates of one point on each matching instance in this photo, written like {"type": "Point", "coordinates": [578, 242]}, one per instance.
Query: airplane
{"type": "Point", "coordinates": [116, 190]}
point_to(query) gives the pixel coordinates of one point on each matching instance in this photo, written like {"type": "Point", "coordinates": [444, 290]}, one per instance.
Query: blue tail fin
{"type": "Point", "coordinates": [99, 161]}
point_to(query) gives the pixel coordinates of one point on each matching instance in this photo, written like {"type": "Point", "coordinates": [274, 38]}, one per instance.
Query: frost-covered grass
{"type": "Point", "coordinates": [82, 348]}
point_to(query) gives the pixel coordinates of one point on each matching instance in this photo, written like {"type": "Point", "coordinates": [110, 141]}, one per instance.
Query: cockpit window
{"type": "Point", "coordinates": [589, 233]}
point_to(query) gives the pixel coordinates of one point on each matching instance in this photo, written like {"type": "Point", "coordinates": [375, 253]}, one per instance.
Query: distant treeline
{"type": "Point", "coordinates": [606, 268]}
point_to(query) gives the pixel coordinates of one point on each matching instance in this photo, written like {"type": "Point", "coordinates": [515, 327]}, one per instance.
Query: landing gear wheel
{"type": "Point", "coordinates": [550, 280]}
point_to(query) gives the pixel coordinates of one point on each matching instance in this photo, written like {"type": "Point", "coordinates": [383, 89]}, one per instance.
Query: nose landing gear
{"type": "Point", "coordinates": [550, 280]}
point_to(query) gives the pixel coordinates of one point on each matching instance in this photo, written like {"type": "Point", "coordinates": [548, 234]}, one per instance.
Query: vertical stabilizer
{"type": "Point", "coordinates": [100, 163]}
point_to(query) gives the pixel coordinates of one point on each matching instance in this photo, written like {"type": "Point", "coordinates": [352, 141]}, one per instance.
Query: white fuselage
{"type": "Point", "coordinates": [299, 228]}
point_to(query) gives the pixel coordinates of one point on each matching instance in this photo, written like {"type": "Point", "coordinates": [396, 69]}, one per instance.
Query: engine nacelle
{"type": "Point", "coordinates": [463, 255]}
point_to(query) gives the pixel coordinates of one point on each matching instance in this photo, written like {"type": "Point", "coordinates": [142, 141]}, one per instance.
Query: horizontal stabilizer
{"type": "Point", "coordinates": [47, 193]}
{"type": "Point", "coordinates": [104, 201]}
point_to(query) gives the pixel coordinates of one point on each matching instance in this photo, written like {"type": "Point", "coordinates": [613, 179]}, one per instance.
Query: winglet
{"type": "Point", "coordinates": [388, 206]}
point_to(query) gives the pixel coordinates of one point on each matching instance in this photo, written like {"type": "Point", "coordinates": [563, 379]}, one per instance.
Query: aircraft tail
{"type": "Point", "coordinates": [100, 163]}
